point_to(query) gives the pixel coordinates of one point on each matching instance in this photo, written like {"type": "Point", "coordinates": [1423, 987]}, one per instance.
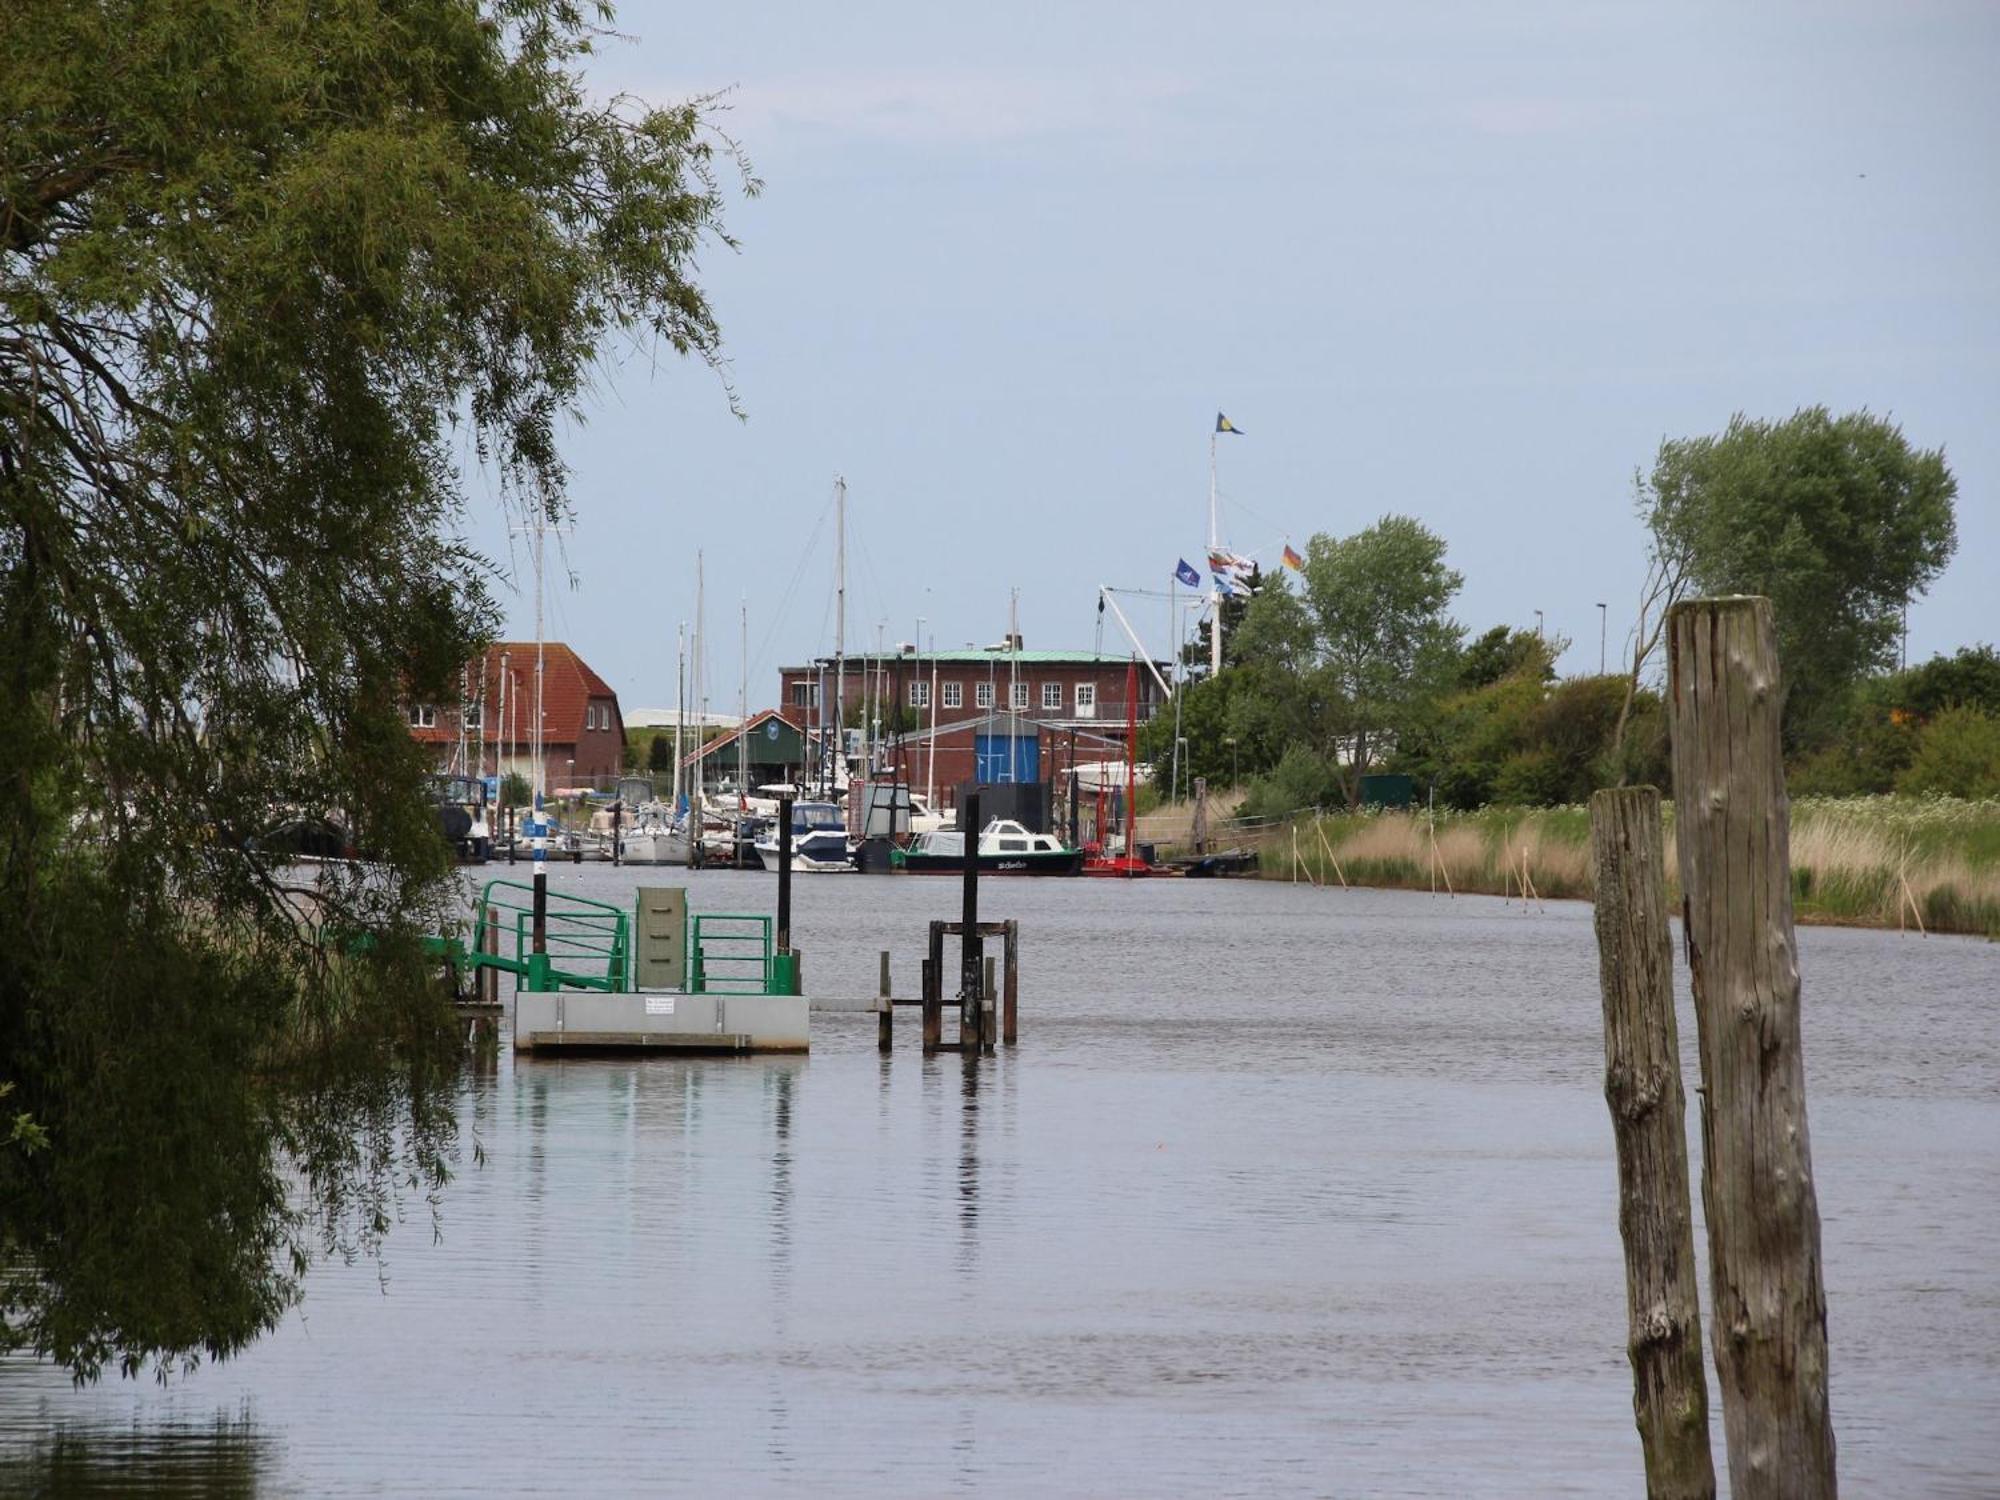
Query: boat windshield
{"type": "Point", "coordinates": [808, 816]}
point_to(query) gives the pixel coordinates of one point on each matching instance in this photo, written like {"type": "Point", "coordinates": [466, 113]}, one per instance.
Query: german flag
{"type": "Point", "coordinates": [1293, 561]}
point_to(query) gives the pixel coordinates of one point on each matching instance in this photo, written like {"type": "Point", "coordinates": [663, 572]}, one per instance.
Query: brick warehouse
{"type": "Point", "coordinates": [1000, 714]}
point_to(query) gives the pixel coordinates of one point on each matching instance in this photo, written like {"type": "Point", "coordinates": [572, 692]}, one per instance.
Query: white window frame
{"type": "Point", "coordinates": [1020, 695]}
{"type": "Point", "coordinates": [1086, 700]}
{"type": "Point", "coordinates": [920, 693]}
{"type": "Point", "coordinates": [982, 695]}
{"type": "Point", "coordinates": [954, 695]}
{"type": "Point", "coordinates": [471, 714]}
{"type": "Point", "coordinates": [423, 716]}
{"type": "Point", "coordinates": [805, 695]}
{"type": "Point", "coordinates": [1051, 695]}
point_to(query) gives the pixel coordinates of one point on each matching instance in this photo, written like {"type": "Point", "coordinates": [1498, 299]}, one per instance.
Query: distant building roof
{"type": "Point", "coordinates": [996, 657]}
{"type": "Point", "coordinates": [568, 687]}
{"type": "Point", "coordinates": [667, 718]}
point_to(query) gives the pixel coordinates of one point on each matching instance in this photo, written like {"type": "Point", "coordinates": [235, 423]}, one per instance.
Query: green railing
{"type": "Point", "coordinates": [729, 954]}
{"type": "Point", "coordinates": [587, 944]}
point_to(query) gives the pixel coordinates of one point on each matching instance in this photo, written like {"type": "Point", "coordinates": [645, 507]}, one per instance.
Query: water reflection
{"type": "Point", "coordinates": [228, 1457]}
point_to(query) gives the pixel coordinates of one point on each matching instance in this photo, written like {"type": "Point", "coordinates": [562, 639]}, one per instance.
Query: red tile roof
{"type": "Point", "coordinates": [568, 686]}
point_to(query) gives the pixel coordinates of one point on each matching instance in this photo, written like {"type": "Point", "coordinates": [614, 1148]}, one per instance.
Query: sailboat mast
{"type": "Point", "coordinates": [681, 705]}
{"type": "Point", "coordinates": [1215, 595]}
{"type": "Point", "coordinates": [1131, 754]}
{"type": "Point", "coordinates": [1013, 685]}
{"type": "Point", "coordinates": [839, 629]}
{"type": "Point", "coordinates": [535, 729]}
{"type": "Point", "coordinates": [700, 682]}
{"type": "Point", "coordinates": [743, 714]}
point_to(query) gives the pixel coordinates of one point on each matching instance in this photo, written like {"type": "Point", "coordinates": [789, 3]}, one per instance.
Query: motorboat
{"type": "Point", "coordinates": [1005, 848]}
{"type": "Point", "coordinates": [819, 839]}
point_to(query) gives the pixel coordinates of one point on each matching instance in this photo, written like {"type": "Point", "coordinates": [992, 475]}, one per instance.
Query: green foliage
{"type": "Point", "coordinates": [1503, 652]}
{"type": "Point", "coordinates": [266, 272]}
{"type": "Point", "coordinates": [1838, 519]}
{"type": "Point", "coordinates": [1301, 779]}
{"type": "Point", "coordinates": [515, 790]}
{"type": "Point", "coordinates": [1957, 755]}
{"type": "Point", "coordinates": [660, 755]}
{"type": "Point", "coordinates": [1383, 642]}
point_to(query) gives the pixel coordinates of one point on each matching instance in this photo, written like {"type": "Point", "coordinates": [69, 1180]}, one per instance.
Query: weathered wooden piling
{"type": "Point", "coordinates": [784, 932]}
{"type": "Point", "coordinates": [1642, 1086]}
{"type": "Point", "coordinates": [1769, 1316]}
{"type": "Point", "coordinates": [885, 1010]}
{"type": "Point", "coordinates": [1010, 1013]}
{"type": "Point", "coordinates": [933, 998]}
{"type": "Point", "coordinates": [970, 989]}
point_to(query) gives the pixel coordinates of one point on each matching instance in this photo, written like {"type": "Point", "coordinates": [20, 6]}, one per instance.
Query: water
{"type": "Point", "coordinates": [1284, 1191]}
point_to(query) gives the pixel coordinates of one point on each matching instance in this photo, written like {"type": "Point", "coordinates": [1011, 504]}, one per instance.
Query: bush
{"type": "Point", "coordinates": [1957, 755]}
{"type": "Point", "coordinates": [1300, 779]}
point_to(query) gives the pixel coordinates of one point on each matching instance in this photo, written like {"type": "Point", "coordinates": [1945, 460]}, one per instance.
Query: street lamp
{"type": "Point", "coordinates": [1600, 637]}
{"type": "Point", "coordinates": [1538, 624]}
{"type": "Point", "coordinates": [1230, 741]}
{"type": "Point", "coordinates": [1180, 744]}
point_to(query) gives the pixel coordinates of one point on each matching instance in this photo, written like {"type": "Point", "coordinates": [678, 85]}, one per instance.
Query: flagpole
{"type": "Point", "coordinates": [1214, 542]}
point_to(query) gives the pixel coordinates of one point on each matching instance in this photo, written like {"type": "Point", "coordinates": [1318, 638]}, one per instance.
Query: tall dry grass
{"type": "Point", "coordinates": [1866, 861]}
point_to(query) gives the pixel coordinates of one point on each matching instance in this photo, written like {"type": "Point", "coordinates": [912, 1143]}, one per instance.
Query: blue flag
{"type": "Point", "coordinates": [1187, 575]}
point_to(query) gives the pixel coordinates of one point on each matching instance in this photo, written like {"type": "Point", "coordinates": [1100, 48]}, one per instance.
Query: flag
{"type": "Point", "coordinates": [1293, 561]}
{"type": "Point", "coordinates": [1223, 424]}
{"type": "Point", "coordinates": [1230, 584]}
{"type": "Point", "coordinates": [1231, 572]}
{"type": "Point", "coordinates": [1187, 575]}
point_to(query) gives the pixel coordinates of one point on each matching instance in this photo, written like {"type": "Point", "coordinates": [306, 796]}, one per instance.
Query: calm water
{"type": "Point", "coordinates": [1285, 1191]}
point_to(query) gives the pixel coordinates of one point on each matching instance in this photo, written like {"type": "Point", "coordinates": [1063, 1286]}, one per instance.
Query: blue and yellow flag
{"type": "Point", "coordinates": [1223, 424]}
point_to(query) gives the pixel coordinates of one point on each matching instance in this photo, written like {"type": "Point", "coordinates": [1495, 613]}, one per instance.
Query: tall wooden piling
{"type": "Point", "coordinates": [1010, 1012]}
{"type": "Point", "coordinates": [1642, 1085]}
{"type": "Point", "coordinates": [1769, 1316]}
{"type": "Point", "coordinates": [970, 989]}
{"type": "Point", "coordinates": [885, 1012]}
{"type": "Point", "coordinates": [784, 933]}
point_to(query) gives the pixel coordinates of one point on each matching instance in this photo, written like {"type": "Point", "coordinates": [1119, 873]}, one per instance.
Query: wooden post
{"type": "Point", "coordinates": [934, 990]}
{"type": "Point", "coordinates": [989, 1016]}
{"type": "Point", "coordinates": [1731, 824]}
{"type": "Point", "coordinates": [1010, 1014]}
{"type": "Point", "coordinates": [885, 1010]}
{"type": "Point", "coordinates": [1642, 1084]}
{"type": "Point", "coordinates": [969, 945]}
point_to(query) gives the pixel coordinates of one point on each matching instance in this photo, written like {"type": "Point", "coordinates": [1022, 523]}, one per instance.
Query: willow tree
{"type": "Point", "coordinates": [269, 271]}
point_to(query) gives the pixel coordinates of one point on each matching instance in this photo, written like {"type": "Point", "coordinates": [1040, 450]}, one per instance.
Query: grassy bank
{"type": "Point", "coordinates": [1851, 856]}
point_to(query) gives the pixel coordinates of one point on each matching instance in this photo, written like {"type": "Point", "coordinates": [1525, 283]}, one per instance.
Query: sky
{"type": "Point", "coordinates": [1460, 261]}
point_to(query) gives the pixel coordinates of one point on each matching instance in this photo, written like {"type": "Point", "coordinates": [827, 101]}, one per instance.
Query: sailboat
{"type": "Point", "coordinates": [1126, 862]}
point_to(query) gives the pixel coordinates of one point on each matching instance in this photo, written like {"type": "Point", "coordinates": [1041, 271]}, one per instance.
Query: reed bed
{"type": "Point", "coordinates": [1861, 861]}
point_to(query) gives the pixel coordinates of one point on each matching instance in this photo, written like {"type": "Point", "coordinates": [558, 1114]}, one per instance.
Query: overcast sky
{"type": "Point", "coordinates": [1468, 262]}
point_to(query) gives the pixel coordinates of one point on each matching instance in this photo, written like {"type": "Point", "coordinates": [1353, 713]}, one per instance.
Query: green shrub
{"type": "Point", "coordinates": [1957, 755]}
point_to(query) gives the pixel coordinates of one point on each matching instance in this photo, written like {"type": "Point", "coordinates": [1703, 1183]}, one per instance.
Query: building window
{"type": "Point", "coordinates": [1052, 695]}
{"type": "Point", "coordinates": [1020, 695]}
{"type": "Point", "coordinates": [423, 716]}
{"type": "Point", "coordinates": [471, 715]}
{"type": "Point", "coordinates": [982, 695]}
{"type": "Point", "coordinates": [954, 695]}
{"type": "Point", "coordinates": [920, 694]}
{"type": "Point", "coordinates": [805, 695]}
{"type": "Point", "coordinates": [1086, 700]}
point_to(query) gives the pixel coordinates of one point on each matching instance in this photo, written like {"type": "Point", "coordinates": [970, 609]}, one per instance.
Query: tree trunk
{"type": "Point", "coordinates": [1642, 1084]}
{"type": "Point", "coordinates": [1769, 1314]}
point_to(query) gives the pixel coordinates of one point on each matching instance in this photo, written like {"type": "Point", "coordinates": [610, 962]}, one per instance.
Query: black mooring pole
{"type": "Point", "coordinates": [784, 874]}
{"type": "Point", "coordinates": [617, 817]}
{"type": "Point", "coordinates": [968, 937]}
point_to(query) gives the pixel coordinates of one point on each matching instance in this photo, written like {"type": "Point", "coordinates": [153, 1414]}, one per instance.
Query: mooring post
{"type": "Point", "coordinates": [933, 1006]}
{"type": "Point", "coordinates": [513, 845]}
{"type": "Point", "coordinates": [885, 1010]}
{"type": "Point", "coordinates": [969, 946]}
{"type": "Point", "coordinates": [538, 932]}
{"type": "Point", "coordinates": [1732, 829]}
{"type": "Point", "coordinates": [784, 874]}
{"type": "Point", "coordinates": [989, 1019]}
{"type": "Point", "coordinates": [489, 942]}
{"type": "Point", "coordinates": [1010, 1015]}
{"type": "Point", "coordinates": [1642, 1086]}
{"type": "Point", "coordinates": [617, 821]}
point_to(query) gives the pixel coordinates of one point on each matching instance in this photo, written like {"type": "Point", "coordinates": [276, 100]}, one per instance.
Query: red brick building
{"type": "Point", "coordinates": [491, 731]}
{"type": "Point", "coordinates": [996, 715]}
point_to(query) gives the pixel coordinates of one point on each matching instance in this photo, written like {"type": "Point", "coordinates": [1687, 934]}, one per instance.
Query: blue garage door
{"type": "Point", "coordinates": [1003, 757]}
